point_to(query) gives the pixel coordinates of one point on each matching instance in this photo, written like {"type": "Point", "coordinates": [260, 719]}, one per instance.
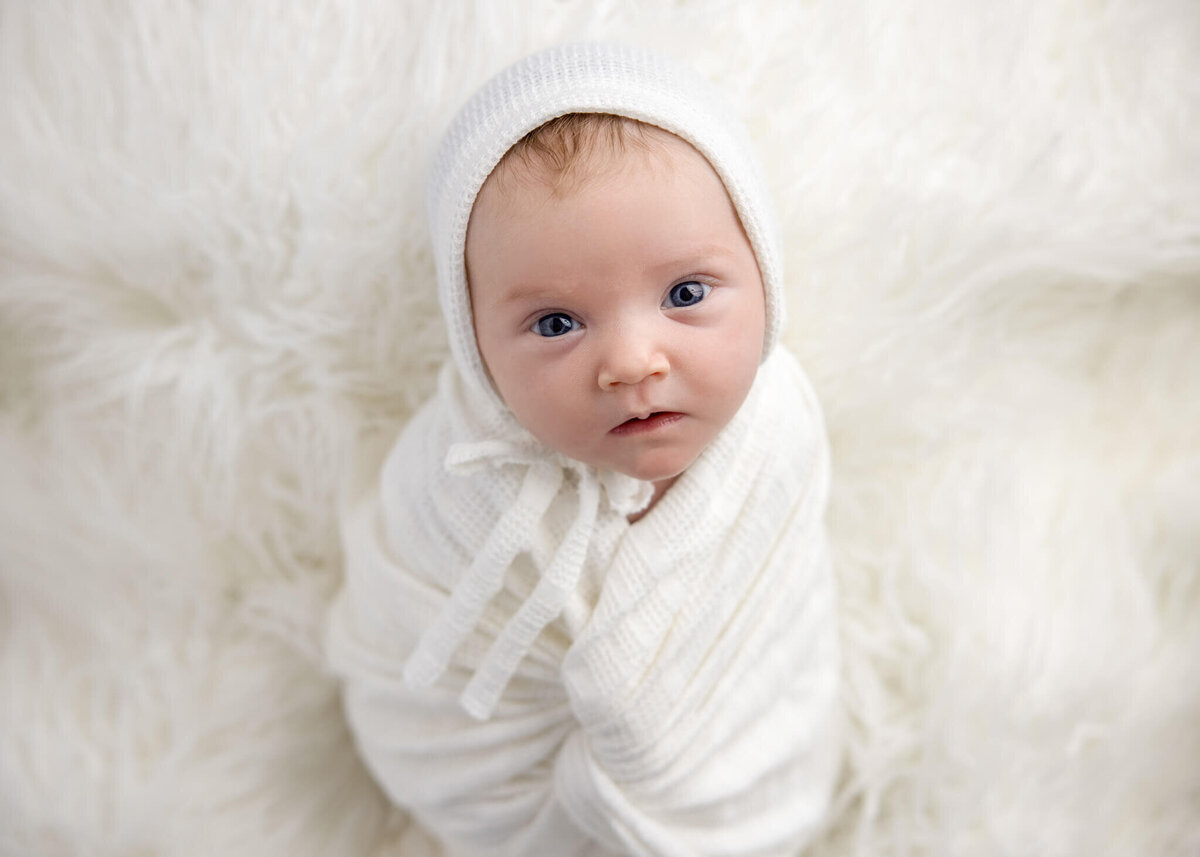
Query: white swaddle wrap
{"type": "Point", "coordinates": [682, 702]}
{"type": "Point", "coordinates": [528, 672]}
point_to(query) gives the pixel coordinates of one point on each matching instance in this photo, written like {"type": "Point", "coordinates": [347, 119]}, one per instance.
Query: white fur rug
{"type": "Point", "coordinates": [216, 285]}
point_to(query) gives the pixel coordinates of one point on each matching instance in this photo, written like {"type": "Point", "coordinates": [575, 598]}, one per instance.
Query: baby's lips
{"type": "Point", "coordinates": [655, 417]}
{"type": "Point", "coordinates": [640, 415]}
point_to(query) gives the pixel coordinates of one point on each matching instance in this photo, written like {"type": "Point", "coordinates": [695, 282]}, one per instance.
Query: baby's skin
{"type": "Point", "coordinates": [620, 315]}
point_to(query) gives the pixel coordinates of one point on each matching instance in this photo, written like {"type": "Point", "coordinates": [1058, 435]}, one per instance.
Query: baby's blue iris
{"type": "Point", "coordinates": [687, 294]}
{"type": "Point", "coordinates": [555, 324]}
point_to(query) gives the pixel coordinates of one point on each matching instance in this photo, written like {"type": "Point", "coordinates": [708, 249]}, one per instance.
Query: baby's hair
{"type": "Point", "coordinates": [557, 152]}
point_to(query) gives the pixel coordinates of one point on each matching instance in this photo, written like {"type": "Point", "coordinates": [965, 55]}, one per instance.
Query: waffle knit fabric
{"type": "Point", "coordinates": [587, 78]}
{"type": "Point", "coordinates": [527, 671]}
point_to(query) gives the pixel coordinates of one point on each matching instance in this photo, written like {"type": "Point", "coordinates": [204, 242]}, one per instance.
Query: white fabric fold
{"type": "Point", "coordinates": [573, 683]}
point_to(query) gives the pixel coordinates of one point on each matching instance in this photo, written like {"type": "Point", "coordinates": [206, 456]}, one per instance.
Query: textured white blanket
{"type": "Point", "coordinates": [215, 272]}
{"type": "Point", "coordinates": [680, 697]}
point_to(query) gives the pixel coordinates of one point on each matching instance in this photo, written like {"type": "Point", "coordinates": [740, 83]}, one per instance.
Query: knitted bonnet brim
{"type": "Point", "coordinates": [586, 78]}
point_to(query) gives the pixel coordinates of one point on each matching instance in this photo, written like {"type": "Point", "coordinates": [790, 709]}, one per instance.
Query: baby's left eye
{"type": "Point", "coordinates": [687, 294]}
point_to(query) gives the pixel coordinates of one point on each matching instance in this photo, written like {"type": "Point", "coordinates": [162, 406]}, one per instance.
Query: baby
{"type": "Point", "coordinates": [588, 607]}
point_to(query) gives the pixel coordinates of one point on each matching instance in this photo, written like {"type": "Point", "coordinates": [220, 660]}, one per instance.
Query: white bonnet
{"type": "Point", "coordinates": [586, 78]}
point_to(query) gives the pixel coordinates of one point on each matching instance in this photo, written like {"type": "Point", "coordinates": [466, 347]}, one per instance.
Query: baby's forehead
{"type": "Point", "coordinates": [668, 210]}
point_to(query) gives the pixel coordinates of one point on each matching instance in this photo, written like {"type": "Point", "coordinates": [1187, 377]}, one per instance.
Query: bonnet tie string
{"type": "Point", "coordinates": [539, 610]}
{"type": "Point", "coordinates": [512, 534]}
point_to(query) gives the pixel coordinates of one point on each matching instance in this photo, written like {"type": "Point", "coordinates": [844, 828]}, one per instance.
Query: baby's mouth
{"type": "Point", "coordinates": [651, 422]}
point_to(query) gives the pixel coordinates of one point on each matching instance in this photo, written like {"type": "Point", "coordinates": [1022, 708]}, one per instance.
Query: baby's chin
{"type": "Point", "coordinates": [656, 464]}
{"type": "Point", "coordinates": [658, 469]}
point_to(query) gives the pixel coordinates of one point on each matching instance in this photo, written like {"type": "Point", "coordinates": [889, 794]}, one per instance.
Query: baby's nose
{"type": "Point", "coordinates": [631, 360]}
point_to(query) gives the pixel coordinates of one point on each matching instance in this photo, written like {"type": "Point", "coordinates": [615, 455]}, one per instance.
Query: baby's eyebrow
{"type": "Point", "coordinates": [533, 294]}
{"type": "Point", "coordinates": [691, 260]}
{"type": "Point", "coordinates": [694, 259]}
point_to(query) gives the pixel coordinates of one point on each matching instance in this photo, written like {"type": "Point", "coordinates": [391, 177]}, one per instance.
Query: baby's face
{"type": "Point", "coordinates": [622, 323]}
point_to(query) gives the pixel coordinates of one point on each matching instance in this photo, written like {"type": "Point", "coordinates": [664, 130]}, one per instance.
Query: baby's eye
{"type": "Point", "coordinates": [687, 294]}
{"type": "Point", "coordinates": [554, 324]}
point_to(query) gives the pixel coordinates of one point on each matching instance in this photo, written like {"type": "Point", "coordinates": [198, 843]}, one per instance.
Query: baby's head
{"type": "Point", "coordinates": [617, 302]}
{"type": "Point", "coordinates": [618, 286]}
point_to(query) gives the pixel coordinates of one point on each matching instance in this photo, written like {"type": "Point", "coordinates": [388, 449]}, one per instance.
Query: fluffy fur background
{"type": "Point", "coordinates": [216, 294]}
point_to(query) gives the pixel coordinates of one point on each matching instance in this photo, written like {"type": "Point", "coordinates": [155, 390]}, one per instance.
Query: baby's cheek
{"type": "Point", "coordinates": [540, 411]}
{"type": "Point", "coordinates": [733, 385]}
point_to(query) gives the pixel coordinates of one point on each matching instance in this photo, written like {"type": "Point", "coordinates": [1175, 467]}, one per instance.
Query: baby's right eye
{"type": "Point", "coordinates": [554, 324]}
